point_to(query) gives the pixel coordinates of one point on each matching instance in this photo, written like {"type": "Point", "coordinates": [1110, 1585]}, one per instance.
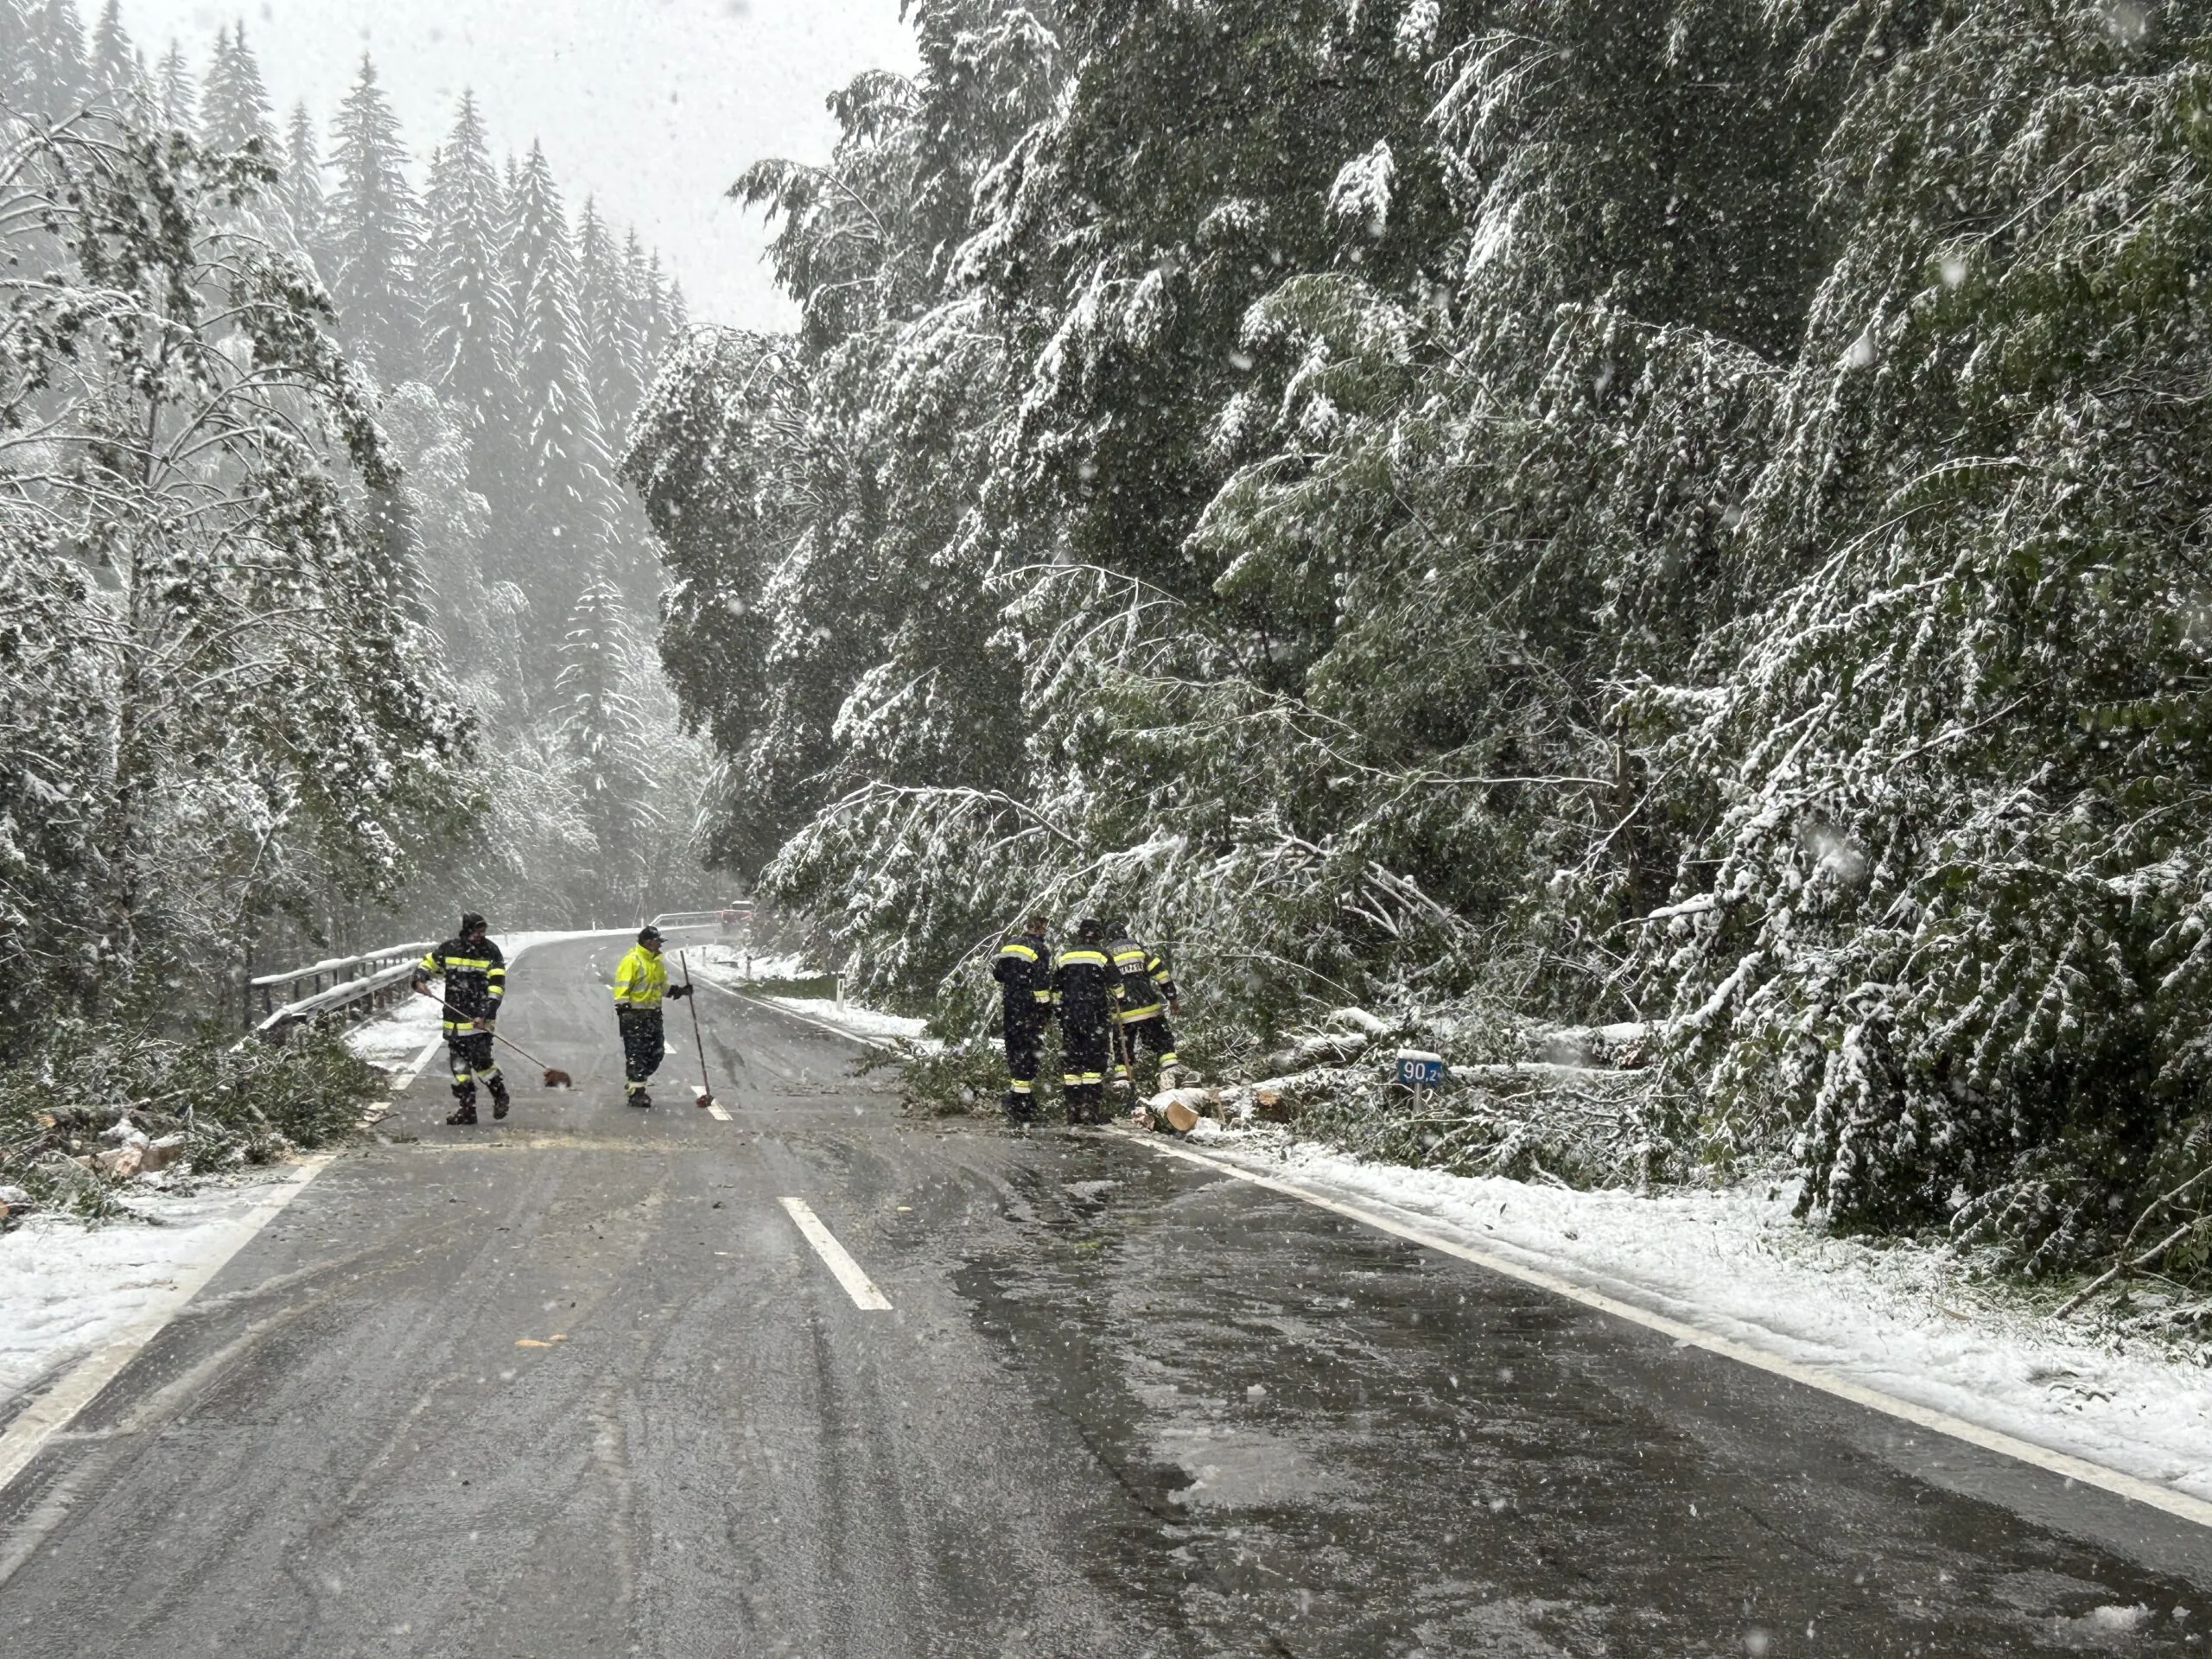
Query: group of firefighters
{"type": "Point", "coordinates": [1112, 996]}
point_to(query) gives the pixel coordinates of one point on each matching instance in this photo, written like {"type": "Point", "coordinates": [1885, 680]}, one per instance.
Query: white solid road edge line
{"type": "Point", "coordinates": [1941, 1422]}
{"type": "Point", "coordinates": [57, 1407]}
{"type": "Point", "coordinates": [857, 1284]}
{"type": "Point", "coordinates": [401, 1084]}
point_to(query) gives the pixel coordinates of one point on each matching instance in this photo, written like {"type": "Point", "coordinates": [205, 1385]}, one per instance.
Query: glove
{"type": "Point", "coordinates": [676, 993]}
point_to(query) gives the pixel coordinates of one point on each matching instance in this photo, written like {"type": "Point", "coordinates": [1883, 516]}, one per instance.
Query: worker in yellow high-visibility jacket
{"type": "Point", "coordinates": [641, 982]}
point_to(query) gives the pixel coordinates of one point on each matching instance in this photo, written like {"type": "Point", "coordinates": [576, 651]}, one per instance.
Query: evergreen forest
{"type": "Point", "coordinates": [1493, 520]}
{"type": "Point", "coordinates": [322, 607]}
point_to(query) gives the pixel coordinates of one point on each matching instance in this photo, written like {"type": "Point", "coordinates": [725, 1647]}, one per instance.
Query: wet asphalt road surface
{"type": "Point", "coordinates": [575, 1385]}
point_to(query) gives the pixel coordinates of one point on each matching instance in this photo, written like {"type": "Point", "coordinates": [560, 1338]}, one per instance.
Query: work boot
{"type": "Point", "coordinates": [464, 1112]}
{"type": "Point", "coordinates": [498, 1100]}
{"type": "Point", "coordinates": [639, 1097]}
{"type": "Point", "coordinates": [1018, 1108]}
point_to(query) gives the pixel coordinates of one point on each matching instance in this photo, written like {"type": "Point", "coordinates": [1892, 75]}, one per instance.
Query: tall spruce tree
{"type": "Point", "coordinates": [373, 233]}
{"type": "Point", "coordinates": [600, 727]}
{"type": "Point", "coordinates": [637, 292]}
{"type": "Point", "coordinates": [303, 183]}
{"type": "Point", "coordinates": [174, 95]}
{"type": "Point", "coordinates": [610, 323]}
{"type": "Point", "coordinates": [468, 327]}
{"type": "Point", "coordinates": [566, 512]}
{"type": "Point", "coordinates": [118, 73]}
{"type": "Point", "coordinates": [660, 331]}
{"type": "Point", "coordinates": [234, 110]}
{"type": "Point", "coordinates": [56, 80]}
{"type": "Point", "coordinates": [15, 56]}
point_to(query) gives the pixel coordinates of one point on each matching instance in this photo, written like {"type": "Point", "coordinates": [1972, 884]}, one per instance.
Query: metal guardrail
{"type": "Point", "coordinates": [358, 997]}
{"type": "Point", "coordinates": [388, 968]}
{"type": "Point", "coordinates": [729, 916]}
{"type": "Point", "coordinates": [318, 971]}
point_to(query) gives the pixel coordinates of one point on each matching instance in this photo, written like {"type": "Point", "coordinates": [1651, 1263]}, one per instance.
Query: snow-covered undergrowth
{"type": "Point", "coordinates": [1918, 1322]}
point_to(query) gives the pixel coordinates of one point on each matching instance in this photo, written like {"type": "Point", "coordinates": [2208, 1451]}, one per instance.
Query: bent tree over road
{"type": "Point", "coordinates": [580, 1383]}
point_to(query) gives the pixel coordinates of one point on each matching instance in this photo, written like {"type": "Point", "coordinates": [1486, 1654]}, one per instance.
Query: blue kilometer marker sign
{"type": "Point", "coordinates": [1417, 1070]}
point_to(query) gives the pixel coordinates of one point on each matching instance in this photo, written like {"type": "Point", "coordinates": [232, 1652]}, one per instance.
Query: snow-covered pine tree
{"type": "Point", "coordinates": [639, 301]}
{"type": "Point", "coordinates": [175, 97]}
{"type": "Point", "coordinates": [14, 56]}
{"type": "Point", "coordinates": [234, 109]}
{"type": "Point", "coordinates": [599, 724]}
{"type": "Point", "coordinates": [373, 233]}
{"type": "Point", "coordinates": [300, 188]}
{"type": "Point", "coordinates": [564, 510]}
{"type": "Point", "coordinates": [118, 72]}
{"type": "Point", "coordinates": [659, 330]}
{"type": "Point", "coordinates": [56, 81]}
{"type": "Point", "coordinates": [468, 323]}
{"type": "Point", "coordinates": [609, 319]}
{"type": "Point", "coordinates": [818, 502]}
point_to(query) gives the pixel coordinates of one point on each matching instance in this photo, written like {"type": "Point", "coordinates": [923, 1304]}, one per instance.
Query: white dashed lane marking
{"type": "Point", "coordinates": [857, 1284]}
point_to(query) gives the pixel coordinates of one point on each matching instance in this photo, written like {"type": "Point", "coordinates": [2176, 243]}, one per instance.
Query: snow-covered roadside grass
{"type": "Point", "coordinates": [1908, 1320]}
{"type": "Point", "coordinates": [724, 965]}
{"type": "Point", "coordinates": [65, 1288]}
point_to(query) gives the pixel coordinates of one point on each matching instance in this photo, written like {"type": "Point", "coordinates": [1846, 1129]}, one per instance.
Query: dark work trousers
{"type": "Point", "coordinates": [470, 1057]}
{"type": "Point", "coordinates": [1138, 1035]}
{"type": "Point", "coordinates": [1085, 1047]}
{"type": "Point", "coordinates": [1025, 1036]}
{"type": "Point", "coordinates": [643, 1044]}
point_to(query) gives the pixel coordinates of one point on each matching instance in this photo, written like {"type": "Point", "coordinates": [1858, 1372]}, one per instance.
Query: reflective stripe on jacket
{"type": "Point", "coordinates": [475, 978]}
{"type": "Point", "coordinates": [1146, 986]}
{"type": "Point", "coordinates": [1024, 968]}
{"type": "Point", "coordinates": [1085, 986]}
{"type": "Point", "coordinates": [641, 980]}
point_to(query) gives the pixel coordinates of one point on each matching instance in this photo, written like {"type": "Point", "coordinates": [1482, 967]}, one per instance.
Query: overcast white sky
{"type": "Point", "coordinates": [651, 105]}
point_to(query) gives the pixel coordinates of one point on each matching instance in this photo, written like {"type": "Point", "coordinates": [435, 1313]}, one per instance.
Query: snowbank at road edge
{"type": "Point", "coordinates": [66, 1288]}
{"type": "Point", "coordinates": [724, 965]}
{"type": "Point", "coordinates": [1904, 1320]}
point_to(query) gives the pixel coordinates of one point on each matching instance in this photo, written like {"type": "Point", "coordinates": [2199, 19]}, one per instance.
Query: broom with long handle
{"type": "Point", "coordinates": [555, 1076]}
{"type": "Point", "coordinates": [706, 1094]}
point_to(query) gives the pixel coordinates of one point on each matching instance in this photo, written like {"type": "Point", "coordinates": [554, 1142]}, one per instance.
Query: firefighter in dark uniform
{"type": "Point", "coordinates": [1024, 971]}
{"type": "Point", "coordinates": [476, 974]}
{"type": "Point", "coordinates": [641, 982]}
{"type": "Point", "coordinates": [1086, 993]}
{"type": "Point", "coordinates": [1149, 996]}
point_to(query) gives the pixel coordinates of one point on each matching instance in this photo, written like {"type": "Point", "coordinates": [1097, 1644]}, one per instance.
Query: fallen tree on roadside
{"type": "Point", "coordinates": [97, 1115]}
